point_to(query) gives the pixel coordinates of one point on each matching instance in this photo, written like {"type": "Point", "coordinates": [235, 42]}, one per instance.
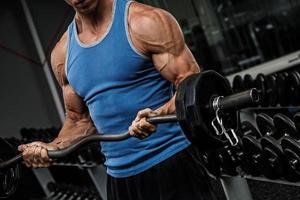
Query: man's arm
{"type": "Point", "coordinates": [77, 124]}
{"type": "Point", "coordinates": [157, 34]}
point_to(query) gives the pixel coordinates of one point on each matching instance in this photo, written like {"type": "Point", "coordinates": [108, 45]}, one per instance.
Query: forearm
{"type": "Point", "coordinates": [73, 130]}
{"type": "Point", "coordinates": [167, 108]}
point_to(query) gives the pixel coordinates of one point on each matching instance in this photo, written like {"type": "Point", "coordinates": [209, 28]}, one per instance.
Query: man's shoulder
{"type": "Point", "coordinates": [143, 17]}
{"type": "Point", "coordinates": [61, 44]}
{"type": "Point", "coordinates": [59, 51]}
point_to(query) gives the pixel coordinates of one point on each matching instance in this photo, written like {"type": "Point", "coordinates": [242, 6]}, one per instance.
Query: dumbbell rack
{"type": "Point", "coordinates": [247, 114]}
{"type": "Point", "coordinates": [96, 173]}
{"type": "Point", "coordinates": [95, 170]}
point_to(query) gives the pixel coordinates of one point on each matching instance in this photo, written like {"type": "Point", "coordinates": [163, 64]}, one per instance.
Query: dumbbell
{"type": "Point", "coordinates": [282, 88]}
{"type": "Point", "coordinates": [271, 163]}
{"type": "Point", "coordinates": [231, 157]}
{"type": "Point", "coordinates": [291, 149]}
{"type": "Point", "coordinates": [251, 147]}
{"type": "Point", "coordinates": [248, 82]}
{"type": "Point", "coordinates": [238, 84]}
{"type": "Point", "coordinates": [211, 163]}
{"type": "Point", "coordinates": [293, 88]}
{"type": "Point", "coordinates": [267, 86]}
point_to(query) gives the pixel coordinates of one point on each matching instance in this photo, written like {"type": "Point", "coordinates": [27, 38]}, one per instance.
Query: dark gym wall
{"type": "Point", "coordinates": [26, 100]}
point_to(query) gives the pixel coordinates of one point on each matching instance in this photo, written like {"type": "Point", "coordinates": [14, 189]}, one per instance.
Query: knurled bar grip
{"type": "Point", "coordinates": [239, 100]}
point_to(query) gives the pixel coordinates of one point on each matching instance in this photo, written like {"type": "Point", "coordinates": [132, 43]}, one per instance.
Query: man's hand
{"type": "Point", "coordinates": [140, 128]}
{"type": "Point", "coordinates": [35, 154]}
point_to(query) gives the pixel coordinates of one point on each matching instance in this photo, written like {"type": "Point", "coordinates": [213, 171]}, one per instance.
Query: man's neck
{"type": "Point", "coordinates": [92, 22]}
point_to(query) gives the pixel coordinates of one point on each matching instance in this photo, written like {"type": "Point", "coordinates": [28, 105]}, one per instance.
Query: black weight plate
{"type": "Point", "coordinates": [190, 96]}
{"type": "Point", "coordinates": [271, 90]}
{"type": "Point", "coordinates": [293, 86]}
{"type": "Point", "coordinates": [211, 163]}
{"type": "Point", "coordinates": [9, 178]}
{"type": "Point", "coordinates": [198, 100]}
{"type": "Point", "coordinates": [292, 172]}
{"type": "Point", "coordinates": [272, 165]}
{"type": "Point", "coordinates": [252, 150]}
{"type": "Point", "coordinates": [237, 84]}
{"type": "Point", "coordinates": [284, 125]}
{"type": "Point", "coordinates": [245, 161]}
{"type": "Point", "coordinates": [248, 82]}
{"type": "Point", "coordinates": [271, 143]}
{"type": "Point", "coordinates": [297, 121]}
{"type": "Point", "coordinates": [180, 105]}
{"type": "Point", "coordinates": [292, 153]}
{"type": "Point", "coordinates": [247, 128]}
{"type": "Point", "coordinates": [228, 159]}
{"type": "Point", "coordinates": [265, 124]}
{"type": "Point", "coordinates": [260, 84]}
{"type": "Point", "coordinates": [282, 89]}
{"type": "Point", "coordinates": [287, 142]}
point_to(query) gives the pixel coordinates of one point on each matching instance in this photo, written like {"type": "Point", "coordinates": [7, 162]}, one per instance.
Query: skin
{"type": "Point", "coordinates": [153, 31]}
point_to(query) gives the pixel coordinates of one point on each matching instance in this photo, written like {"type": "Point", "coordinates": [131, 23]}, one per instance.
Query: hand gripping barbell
{"type": "Point", "coordinates": [206, 110]}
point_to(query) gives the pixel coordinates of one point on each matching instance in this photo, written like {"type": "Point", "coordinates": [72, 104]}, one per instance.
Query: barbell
{"type": "Point", "coordinates": [206, 110]}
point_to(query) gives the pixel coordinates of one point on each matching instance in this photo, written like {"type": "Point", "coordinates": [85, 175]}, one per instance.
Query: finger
{"type": "Point", "coordinates": [144, 113]}
{"type": "Point", "coordinates": [44, 156]}
{"type": "Point", "coordinates": [22, 147]}
{"type": "Point", "coordinates": [34, 166]}
{"type": "Point", "coordinates": [37, 155]}
{"type": "Point", "coordinates": [31, 155]}
{"type": "Point", "coordinates": [146, 126]}
{"type": "Point", "coordinates": [134, 131]}
{"type": "Point", "coordinates": [25, 158]}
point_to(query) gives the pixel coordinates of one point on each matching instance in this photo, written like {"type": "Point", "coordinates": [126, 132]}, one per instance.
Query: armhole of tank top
{"type": "Point", "coordinates": [128, 34]}
{"type": "Point", "coordinates": [67, 53]}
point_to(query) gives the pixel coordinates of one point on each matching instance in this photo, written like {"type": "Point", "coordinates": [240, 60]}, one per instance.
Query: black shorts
{"type": "Point", "coordinates": [181, 177]}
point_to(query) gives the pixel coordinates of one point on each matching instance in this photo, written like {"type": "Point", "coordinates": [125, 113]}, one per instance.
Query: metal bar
{"type": "Point", "coordinates": [236, 188]}
{"type": "Point", "coordinates": [99, 177]}
{"type": "Point", "coordinates": [44, 177]}
{"type": "Point", "coordinates": [270, 67]}
{"type": "Point", "coordinates": [43, 59]}
{"type": "Point", "coordinates": [277, 181]}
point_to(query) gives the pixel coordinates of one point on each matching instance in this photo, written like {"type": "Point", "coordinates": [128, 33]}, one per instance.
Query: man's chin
{"type": "Point", "coordinates": [86, 10]}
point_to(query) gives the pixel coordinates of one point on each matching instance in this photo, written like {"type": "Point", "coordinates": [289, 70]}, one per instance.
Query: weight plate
{"type": "Point", "coordinates": [285, 126]}
{"type": "Point", "coordinates": [199, 111]}
{"type": "Point", "coordinates": [228, 160]}
{"type": "Point", "coordinates": [292, 172]}
{"type": "Point", "coordinates": [271, 93]}
{"type": "Point", "coordinates": [180, 104]}
{"type": "Point", "coordinates": [237, 84]}
{"type": "Point", "coordinates": [9, 178]}
{"type": "Point", "coordinates": [293, 86]}
{"type": "Point", "coordinates": [211, 163]}
{"type": "Point", "coordinates": [247, 128]}
{"type": "Point", "coordinates": [282, 89]}
{"type": "Point", "coordinates": [297, 121]}
{"type": "Point", "coordinates": [248, 82]}
{"type": "Point", "coordinates": [253, 150]}
{"type": "Point", "coordinates": [271, 165]}
{"type": "Point", "coordinates": [265, 124]}
{"type": "Point", "coordinates": [291, 149]}
{"type": "Point", "coordinates": [260, 84]}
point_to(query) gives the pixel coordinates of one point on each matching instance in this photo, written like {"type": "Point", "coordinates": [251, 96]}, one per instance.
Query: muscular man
{"type": "Point", "coordinates": [117, 64]}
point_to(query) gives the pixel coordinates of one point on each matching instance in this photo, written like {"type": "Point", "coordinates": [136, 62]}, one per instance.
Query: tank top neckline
{"type": "Point", "coordinates": [98, 41]}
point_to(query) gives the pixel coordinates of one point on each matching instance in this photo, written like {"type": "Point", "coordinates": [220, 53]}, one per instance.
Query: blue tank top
{"type": "Point", "coordinates": [116, 81]}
